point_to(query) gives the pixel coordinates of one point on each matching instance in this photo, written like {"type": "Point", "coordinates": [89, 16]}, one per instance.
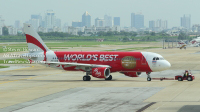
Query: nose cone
{"type": "Point", "coordinates": [160, 66]}
{"type": "Point", "coordinates": [167, 65]}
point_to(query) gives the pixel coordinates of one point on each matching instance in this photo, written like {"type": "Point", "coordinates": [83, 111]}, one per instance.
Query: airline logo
{"type": "Point", "coordinates": [96, 71]}
{"type": "Point", "coordinates": [89, 57]}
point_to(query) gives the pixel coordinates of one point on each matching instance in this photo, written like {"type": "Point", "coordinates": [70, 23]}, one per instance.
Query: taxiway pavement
{"type": "Point", "coordinates": [40, 88]}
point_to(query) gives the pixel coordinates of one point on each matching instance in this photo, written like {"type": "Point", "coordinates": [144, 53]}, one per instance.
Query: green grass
{"type": "Point", "coordinates": [14, 61]}
{"type": "Point", "coordinates": [4, 66]}
{"type": "Point", "coordinates": [21, 47]}
{"type": "Point", "coordinates": [86, 44]}
{"type": "Point", "coordinates": [132, 49]}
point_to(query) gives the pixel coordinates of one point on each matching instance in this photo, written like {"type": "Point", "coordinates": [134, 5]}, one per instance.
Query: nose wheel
{"type": "Point", "coordinates": [148, 76]}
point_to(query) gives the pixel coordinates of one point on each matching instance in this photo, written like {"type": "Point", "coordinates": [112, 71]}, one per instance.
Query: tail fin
{"type": "Point", "coordinates": [34, 41]}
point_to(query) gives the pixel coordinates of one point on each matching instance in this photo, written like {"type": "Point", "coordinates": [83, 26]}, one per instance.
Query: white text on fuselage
{"type": "Point", "coordinates": [88, 57]}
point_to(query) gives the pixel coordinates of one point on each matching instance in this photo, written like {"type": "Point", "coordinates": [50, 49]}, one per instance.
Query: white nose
{"type": "Point", "coordinates": [160, 66]}
{"type": "Point", "coordinates": [167, 65]}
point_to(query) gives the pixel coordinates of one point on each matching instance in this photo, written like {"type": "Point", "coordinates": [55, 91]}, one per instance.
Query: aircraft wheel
{"type": "Point", "coordinates": [109, 78]}
{"type": "Point", "coordinates": [86, 78]}
{"type": "Point", "coordinates": [180, 79]}
{"type": "Point", "coordinates": [148, 78]}
{"type": "Point", "coordinates": [189, 78]}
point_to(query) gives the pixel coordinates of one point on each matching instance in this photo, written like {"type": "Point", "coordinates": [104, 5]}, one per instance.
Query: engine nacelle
{"type": "Point", "coordinates": [132, 74]}
{"type": "Point", "coordinates": [100, 72]}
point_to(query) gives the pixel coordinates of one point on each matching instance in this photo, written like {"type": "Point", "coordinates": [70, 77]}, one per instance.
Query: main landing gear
{"type": "Point", "coordinates": [86, 77]}
{"type": "Point", "coordinates": [148, 76]}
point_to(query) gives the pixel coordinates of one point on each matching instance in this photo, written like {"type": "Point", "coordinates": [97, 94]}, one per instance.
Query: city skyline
{"type": "Point", "coordinates": [69, 10]}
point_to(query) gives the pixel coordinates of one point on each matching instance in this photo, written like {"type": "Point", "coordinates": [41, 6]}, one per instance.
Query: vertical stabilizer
{"type": "Point", "coordinates": [34, 41]}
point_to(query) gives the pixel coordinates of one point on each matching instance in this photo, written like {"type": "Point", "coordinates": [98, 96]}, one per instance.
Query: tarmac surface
{"type": "Point", "coordinates": [39, 88]}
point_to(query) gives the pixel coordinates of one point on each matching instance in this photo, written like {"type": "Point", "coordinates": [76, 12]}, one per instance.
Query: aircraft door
{"type": "Point", "coordinates": [144, 62]}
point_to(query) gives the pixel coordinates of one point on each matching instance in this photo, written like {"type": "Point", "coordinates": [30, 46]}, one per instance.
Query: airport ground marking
{"type": "Point", "coordinates": [28, 78]}
{"type": "Point", "coordinates": [18, 69]}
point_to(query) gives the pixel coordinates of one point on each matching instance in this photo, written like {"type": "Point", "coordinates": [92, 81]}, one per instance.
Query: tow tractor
{"type": "Point", "coordinates": [189, 77]}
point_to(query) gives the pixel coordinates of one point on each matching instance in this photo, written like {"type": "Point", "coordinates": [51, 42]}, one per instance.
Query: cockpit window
{"type": "Point", "coordinates": [158, 58]}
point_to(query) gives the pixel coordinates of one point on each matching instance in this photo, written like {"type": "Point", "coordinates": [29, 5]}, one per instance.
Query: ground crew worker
{"type": "Point", "coordinates": [186, 74]}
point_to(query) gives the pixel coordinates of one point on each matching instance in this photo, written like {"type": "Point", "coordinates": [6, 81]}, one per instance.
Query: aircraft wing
{"type": "Point", "coordinates": [76, 64]}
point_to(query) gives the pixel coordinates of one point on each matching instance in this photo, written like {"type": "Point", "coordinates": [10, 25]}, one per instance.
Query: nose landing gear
{"type": "Point", "coordinates": [148, 76]}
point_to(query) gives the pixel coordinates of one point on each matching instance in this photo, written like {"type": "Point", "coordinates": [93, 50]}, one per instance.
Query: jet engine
{"type": "Point", "coordinates": [132, 74]}
{"type": "Point", "coordinates": [100, 72]}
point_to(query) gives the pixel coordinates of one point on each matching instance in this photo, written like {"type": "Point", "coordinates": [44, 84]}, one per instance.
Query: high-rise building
{"type": "Point", "coordinates": [1, 30]}
{"type": "Point", "coordinates": [50, 19]}
{"type": "Point", "coordinates": [17, 24]}
{"type": "Point", "coordinates": [99, 22]}
{"type": "Point", "coordinates": [186, 21]}
{"type": "Point", "coordinates": [35, 23]}
{"type": "Point", "coordinates": [39, 17]}
{"type": "Point", "coordinates": [86, 19]}
{"type": "Point", "coordinates": [1, 21]}
{"type": "Point", "coordinates": [58, 23]}
{"type": "Point", "coordinates": [151, 24]}
{"type": "Point", "coordinates": [76, 24]}
{"type": "Point", "coordinates": [158, 24]}
{"type": "Point", "coordinates": [108, 21]}
{"type": "Point", "coordinates": [116, 21]}
{"type": "Point", "coordinates": [137, 20]}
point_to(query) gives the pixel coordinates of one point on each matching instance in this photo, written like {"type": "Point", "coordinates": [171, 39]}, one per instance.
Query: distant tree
{"type": "Point", "coordinates": [109, 33]}
{"type": "Point", "coordinates": [182, 36]}
{"type": "Point", "coordinates": [133, 34]}
{"type": "Point", "coordinates": [101, 33]}
{"type": "Point", "coordinates": [152, 33]}
{"type": "Point", "coordinates": [80, 33]}
{"type": "Point", "coordinates": [146, 32]}
{"type": "Point", "coordinates": [148, 38]}
{"type": "Point", "coordinates": [5, 31]}
{"type": "Point", "coordinates": [125, 39]}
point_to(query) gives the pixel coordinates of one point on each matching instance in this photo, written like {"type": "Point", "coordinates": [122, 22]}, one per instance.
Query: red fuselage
{"type": "Point", "coordinates": [118, 61]}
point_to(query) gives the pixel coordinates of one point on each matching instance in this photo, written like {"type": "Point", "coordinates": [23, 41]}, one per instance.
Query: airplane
{"type": "Point", "coordinates": [196, 40]}
{"type": "Point", "coordinates": [96, 63]}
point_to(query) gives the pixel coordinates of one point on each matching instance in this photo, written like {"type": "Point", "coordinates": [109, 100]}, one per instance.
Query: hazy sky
{"type": "Point", "coordinates": [69, 10]}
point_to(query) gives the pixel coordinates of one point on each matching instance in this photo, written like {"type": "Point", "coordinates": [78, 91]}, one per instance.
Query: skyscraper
{"type": "Point", "coordinates": [50, 19]}
{"type": "Point", "coordinates": [35, 23]}
{"type": "Point", "coordinates": [108, 21]}
{"type": "Point", "coordinates": [99, 22]}
{"type": "Point", "coordinates": [86, 19]}
{"type": "Point", "coordinates": [137, 20]}
{"type": "Point", "coordinates": [151, 24]}
{"type": "Point", "coordinates": [158, 24]}
{"type": "Point", "coordinates": [58, 23]}
{"type": "Point", "coordinates": [116, 21]}
{"type": "Point", "coordinates": [1, 21]}
{"type": "Point", "coordinates": [76, 24]}
{"type": "Point", "coordinates": [186, 21]}
{"type": "Point", "coordinates": [17, 24]}
{"type": "Point", "coordinates": [39, 17]}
